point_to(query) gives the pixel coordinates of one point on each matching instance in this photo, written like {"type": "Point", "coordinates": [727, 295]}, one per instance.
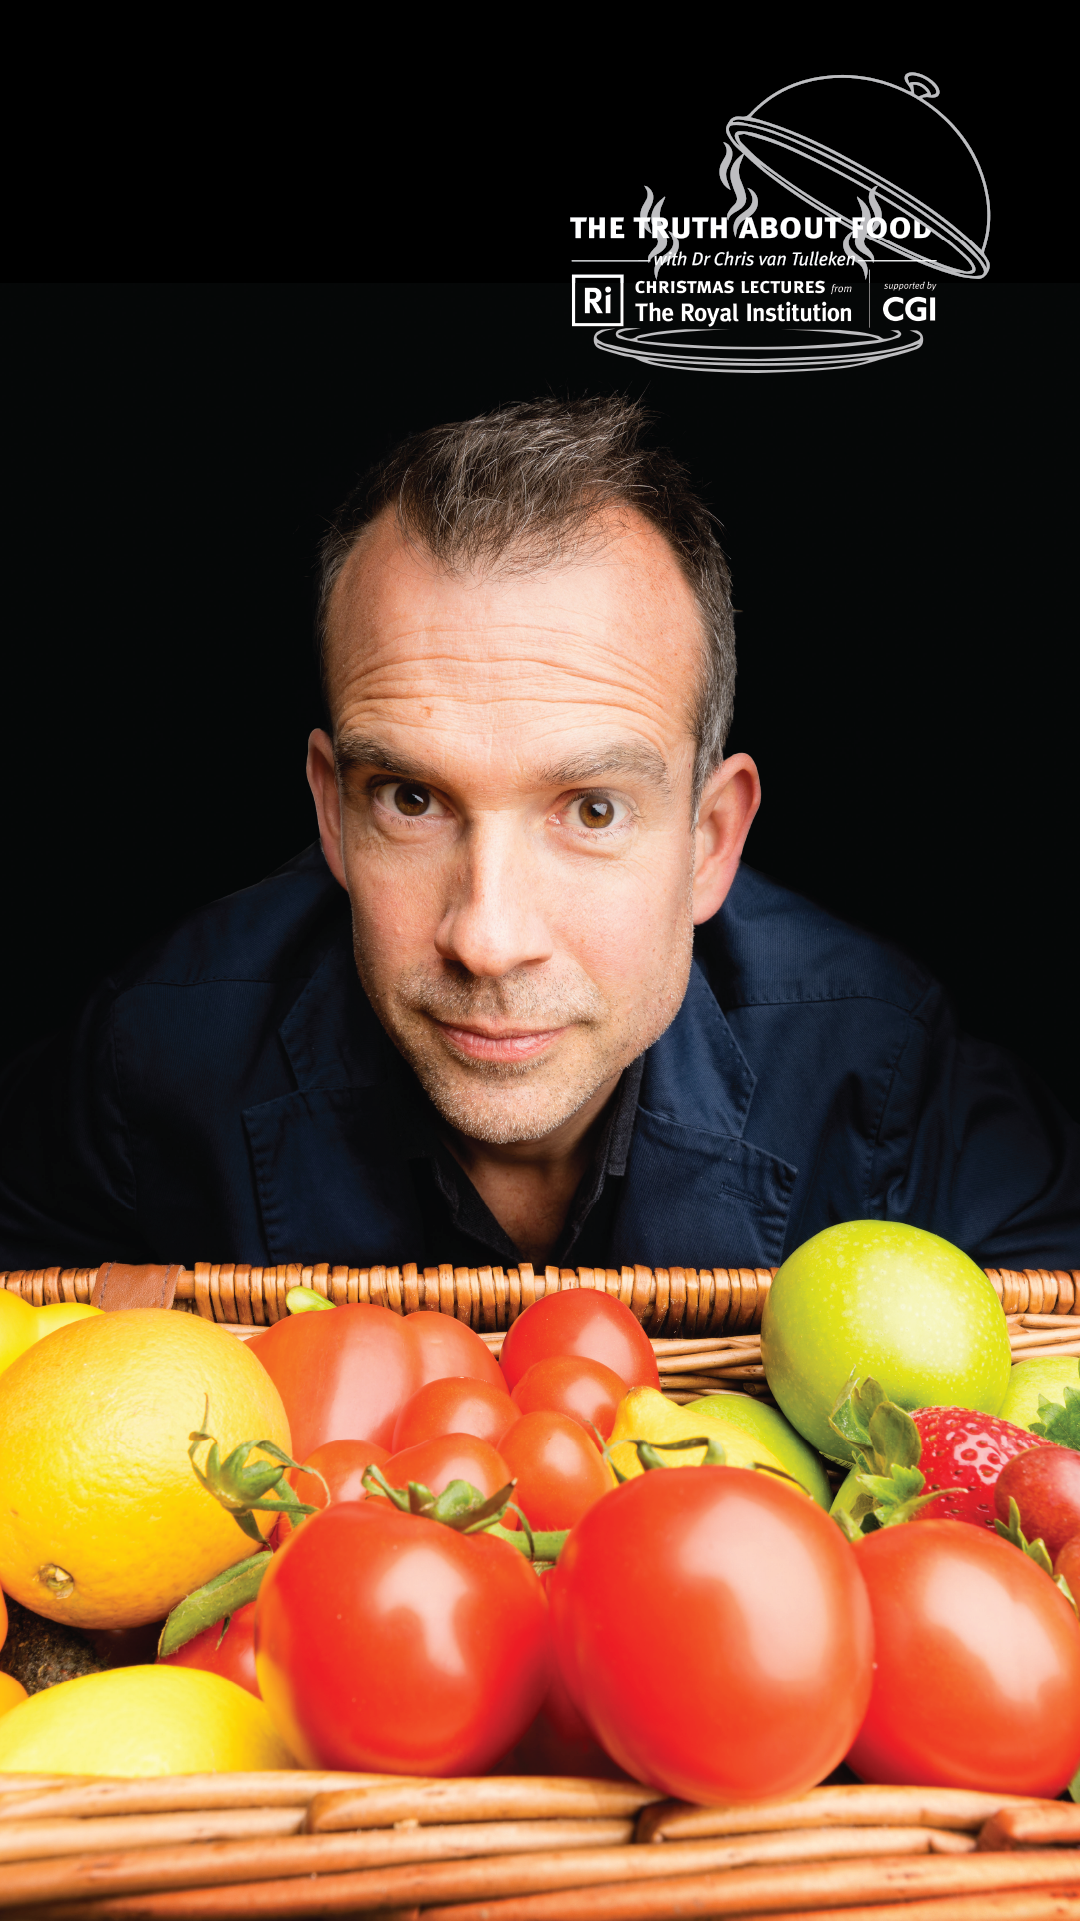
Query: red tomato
{"type": "Point", "coordinates": [451, 1457]}
{"type": "Point", "coordinates": [446, 1346]}
{"type": "Point", "coordinates": [583, 1322]}
{"type": "Point", "coordinates": [457, 1406]}
{"type": "Point", "coordinates": [391, 1644]}
{"type": "Point", "coordinates": [560, 1740]}
{"type": "Point", "coordinates": [977, 1679]}
{"type": "Point", "coordinates": [342, 1465]}
{"type": "Point", "coordinates": [586, 1390]}
{"type": "Point", "coordinates": [713, 1629]}
{"type": "Point", "coordinates": [558, 1471]}
{"type": "Point", "coordinates": [234, 1658]}
{"type": "Point", "coordinates": [342, 1375]}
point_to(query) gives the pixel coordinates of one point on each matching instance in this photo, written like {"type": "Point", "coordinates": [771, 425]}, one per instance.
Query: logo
{"type": "Point", "coordinates": [598, 299]}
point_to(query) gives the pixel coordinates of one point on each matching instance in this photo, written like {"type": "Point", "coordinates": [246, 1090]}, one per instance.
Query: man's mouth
{"type": "Point", "coordinates": [497, 1044]}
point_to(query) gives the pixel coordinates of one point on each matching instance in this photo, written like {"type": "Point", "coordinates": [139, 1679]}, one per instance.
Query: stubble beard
{"type": "Point", "coordinates": [501, 1102]}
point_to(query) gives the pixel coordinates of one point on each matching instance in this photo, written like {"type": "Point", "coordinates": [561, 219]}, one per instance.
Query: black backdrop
{"type": "Point", "coordinates": [898, 538]}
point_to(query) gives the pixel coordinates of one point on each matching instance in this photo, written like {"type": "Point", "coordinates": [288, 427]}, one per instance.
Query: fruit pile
{"type": "Point", "coordinates": [368, 1542]}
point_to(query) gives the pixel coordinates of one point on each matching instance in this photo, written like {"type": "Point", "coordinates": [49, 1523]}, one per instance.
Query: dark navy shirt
{"type": "Point", "coordinates": [230, 1095]}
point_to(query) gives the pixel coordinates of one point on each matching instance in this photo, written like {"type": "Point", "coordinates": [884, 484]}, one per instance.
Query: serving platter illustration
{"type": "Point", "coordinates": [756, 349]}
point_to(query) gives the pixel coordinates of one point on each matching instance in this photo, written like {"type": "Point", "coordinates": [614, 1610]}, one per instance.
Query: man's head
{"type": "Point", "coordinates": [529, 668]}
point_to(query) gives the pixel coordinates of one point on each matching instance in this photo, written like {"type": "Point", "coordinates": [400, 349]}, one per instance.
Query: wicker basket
{"type": "Point", "coordinates": [691, 1302]}
{"type": "Point", "coordinates": [521, 1848]}
{"type": "Point", "coordinates": [704, 1322]}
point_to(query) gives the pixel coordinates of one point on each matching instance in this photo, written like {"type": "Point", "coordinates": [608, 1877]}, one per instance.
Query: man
{"type": "Point", "coordinates": [476, 1024]}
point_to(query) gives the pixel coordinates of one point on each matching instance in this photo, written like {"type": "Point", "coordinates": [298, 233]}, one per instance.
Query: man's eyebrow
{"type": "Point", "coordinates": [630, 757]}
{"type": "Point", "coordinates": [360, 750]}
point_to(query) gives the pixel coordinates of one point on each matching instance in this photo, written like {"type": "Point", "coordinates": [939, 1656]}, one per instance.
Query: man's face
{"type": "Point", "coordinates": [512, 817]}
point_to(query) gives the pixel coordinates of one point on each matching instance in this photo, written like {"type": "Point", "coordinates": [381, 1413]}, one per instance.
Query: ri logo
{"type": "Point", "coordinates": [598, 299]}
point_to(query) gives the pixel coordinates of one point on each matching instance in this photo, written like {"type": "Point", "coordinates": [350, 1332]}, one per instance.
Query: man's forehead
{"type": "Point", "coordinates": [613, 626]}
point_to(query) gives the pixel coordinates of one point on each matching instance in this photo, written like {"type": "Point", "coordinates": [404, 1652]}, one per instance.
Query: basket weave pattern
{"type": "Point", "coordinates": [680, 1302]}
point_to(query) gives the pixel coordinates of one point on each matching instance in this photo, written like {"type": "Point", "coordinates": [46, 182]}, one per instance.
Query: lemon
{"type": "Point", "coordinates": [11, 1693]}
{"type": "Point", "coordinates": [103, 1523]}
{"type": "Point", "coordinates": [144, 1720]}
{"type": "Point", "coordinates": [61, 1314]}
{"type": "Point", "coordinates": [644, 1415]}
{"type": "Point", "coordinates": [18, 1327]}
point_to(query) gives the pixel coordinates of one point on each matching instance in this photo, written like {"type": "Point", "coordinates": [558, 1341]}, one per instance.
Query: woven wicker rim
{"type": "Point", "coordinates": [690, 1302]}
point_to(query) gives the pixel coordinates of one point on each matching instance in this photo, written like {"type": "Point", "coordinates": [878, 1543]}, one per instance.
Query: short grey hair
{"type": "Point", "coordinates": [523, 483]}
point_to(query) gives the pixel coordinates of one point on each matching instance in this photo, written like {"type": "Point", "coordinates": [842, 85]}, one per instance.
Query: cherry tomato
{"type": "Point", "coordinates": [446, 1346]}
{"type": "Point", "coordinates": [450, 1457]}
{"type": "Point", "coordinates": [977, 1675]}
{"type": "Point", "coordinates": [388, 1643]}
{"type": "Point", "coordinates": [232, 1655]}
{"type": "Point", "coordinates": [584, 1322]}
{"type": "Point", "coordinates": [342, 1375]}
{"type": "Point", "coordinates": [342, 1465]}
{"type": "Point", "coordinates": [1068, 1565]}
{"type": "Point", "coordinates": [712, 1627]}
{"type": "Point", "coordinates": [1045, 1484]}
{"type": "Point", "coordinates": [558, 1471]}
{"type": "Point", "coordinates": [457, 1406]}
{"type": "Point", "coordinates": [567, 1384]}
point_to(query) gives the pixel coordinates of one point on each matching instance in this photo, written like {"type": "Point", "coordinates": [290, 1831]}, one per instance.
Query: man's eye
{"type": "Point", "coordinates": [405, 797]}
{"type": "Point", "coordinates": [596, 811]}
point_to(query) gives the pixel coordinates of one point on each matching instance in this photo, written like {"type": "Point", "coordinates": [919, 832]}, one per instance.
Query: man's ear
{"type": "Point", "coordinates": [729, 802]}
{"type": "Point", "coordinates": [322, 779]}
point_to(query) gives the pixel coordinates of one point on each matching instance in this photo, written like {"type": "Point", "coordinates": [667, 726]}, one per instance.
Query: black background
{"type": "Point", "coordinates": [898, 537]}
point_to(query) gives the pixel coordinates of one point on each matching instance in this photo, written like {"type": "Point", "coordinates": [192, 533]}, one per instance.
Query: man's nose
{"type": "Point", "coordinates": [492, 921]}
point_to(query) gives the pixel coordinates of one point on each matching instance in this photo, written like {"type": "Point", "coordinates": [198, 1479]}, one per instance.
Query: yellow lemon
{"type": "Point", "coordinates": [18, 1327]}
{"type": "Point", "coordinates": [144, 1720]}
{"type": "Point", "coordinates": [61, 1314]}
{"type": "Point", "coordinates": [644, 1415]}
{"type": "Point", "coordinates": [102, 1520]}
{"type": "Point", "coordinates": [11, 1693]}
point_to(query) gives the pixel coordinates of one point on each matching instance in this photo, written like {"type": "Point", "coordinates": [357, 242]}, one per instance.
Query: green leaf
{"type": "Point", "coordinates": [1035, 1550]}
{"type": "Point", "coordinates": [229, 1590]}
{"type": "Point", "coordinates": [304, 1300]}
{"type": "Point", "coordinates": [1074, 1786]}
{"type": "Point", "coordinates": [894, 1436]}
{"type": "Point", "coordinates": [1059, 1421]}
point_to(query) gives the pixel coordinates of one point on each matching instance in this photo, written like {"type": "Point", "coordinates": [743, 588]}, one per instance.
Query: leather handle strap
{"type": "Point", "coordinates": [118, 1286]}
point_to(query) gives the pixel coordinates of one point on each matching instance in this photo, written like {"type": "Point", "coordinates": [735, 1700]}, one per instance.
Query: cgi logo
{"type": "Point", "coordinates": [917, 308]}
{"type": "Point", "coordinates": [598, 299]}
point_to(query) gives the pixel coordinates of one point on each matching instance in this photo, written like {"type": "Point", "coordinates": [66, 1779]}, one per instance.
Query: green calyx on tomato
{"type": "Point", "coordinates": [887, 1446]}
{"type": "Point", "coordinates": [243, 1488]}
{"type": "Point", "coordinates": [649, 1453]}
{"type": "Point", "coordinates": [465, 1509]}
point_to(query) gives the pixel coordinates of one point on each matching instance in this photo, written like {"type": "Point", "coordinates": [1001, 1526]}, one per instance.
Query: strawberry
{"type": "Point", "coordinates": [940, 1463]}
{"type": "Point", "coordinates": [963, 1453]}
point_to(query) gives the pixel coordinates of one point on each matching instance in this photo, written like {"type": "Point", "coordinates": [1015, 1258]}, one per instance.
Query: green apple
{"type": "Point", "coordinates": [1049, 1375]}
{"type": "Point", "coordinates": [881, 1298]}
{"type": "Point", "coordinates": [768, 1425]}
